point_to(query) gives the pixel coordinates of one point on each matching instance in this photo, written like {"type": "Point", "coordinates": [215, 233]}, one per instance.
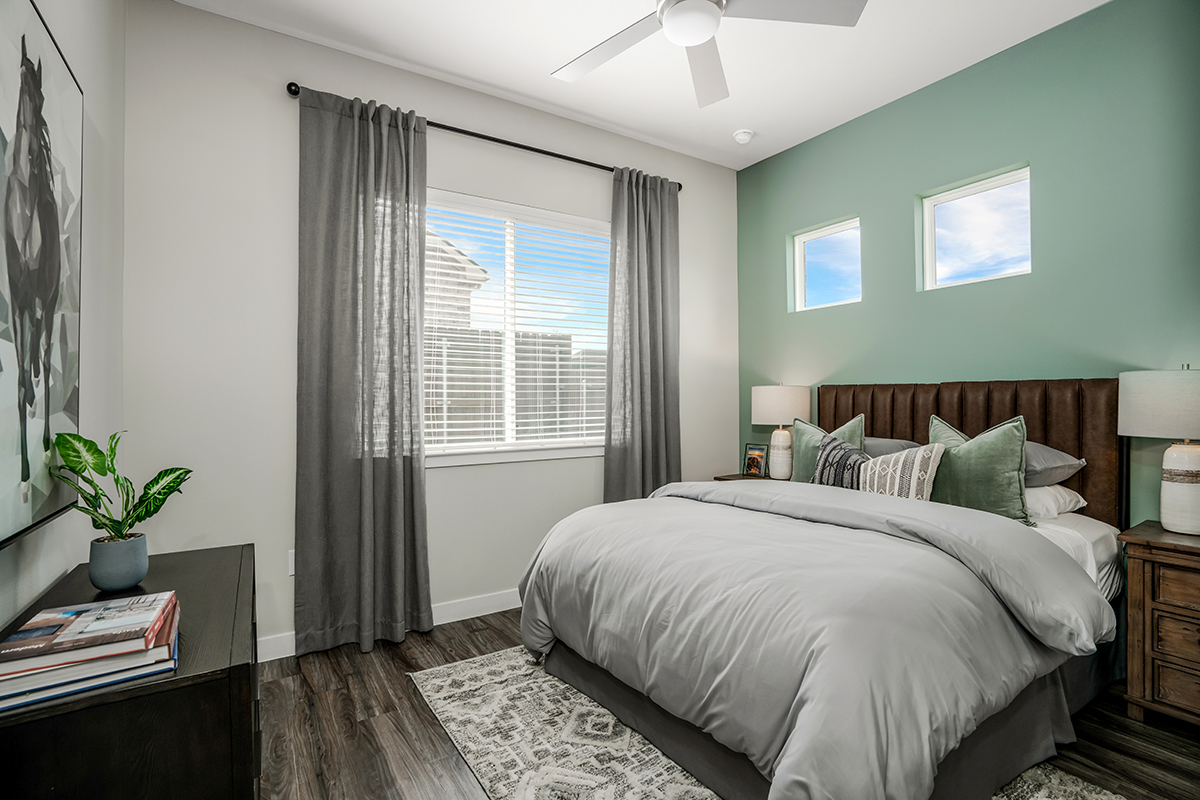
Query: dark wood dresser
{"type": "Point", "coordinates": [191, 733]}
{"type": "Point", "coordinates": [1164, 621]}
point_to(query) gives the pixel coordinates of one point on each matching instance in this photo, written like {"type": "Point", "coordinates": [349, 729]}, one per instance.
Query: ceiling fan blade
{"type": "Point", "coordinates": [815, 12]}
{"type": "Point", "coordinates": [608, 49]}
{"type": "Point", "coordinates": [708, 76]}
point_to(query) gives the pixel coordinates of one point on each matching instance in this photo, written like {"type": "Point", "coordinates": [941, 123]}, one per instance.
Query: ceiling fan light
{"type": "Point", "coordinates": [688, 23]}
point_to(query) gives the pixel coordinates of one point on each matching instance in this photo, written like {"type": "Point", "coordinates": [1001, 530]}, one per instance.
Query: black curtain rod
{"type": "Point", "coordinates": [294, 90]}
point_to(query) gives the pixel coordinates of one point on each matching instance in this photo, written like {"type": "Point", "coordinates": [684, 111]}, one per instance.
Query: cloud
{"type": "Point", "coordinates": [833, 269]}
{"type": "Point", "coordinates": [838, 252]}
{"type": "Point", "coordinates": [984, 235]}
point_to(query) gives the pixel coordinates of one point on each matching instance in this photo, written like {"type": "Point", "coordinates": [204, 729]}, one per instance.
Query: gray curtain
{"type": "Point", "coordinates": [641, 442]}
{"type": "Point", "coordinates": [361, 565]}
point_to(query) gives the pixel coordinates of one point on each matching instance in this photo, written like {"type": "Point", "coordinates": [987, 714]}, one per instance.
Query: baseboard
{"type": "Point", "coordinates": [454, 610]}
{"type": "Point", "coordinates": [282, 645]}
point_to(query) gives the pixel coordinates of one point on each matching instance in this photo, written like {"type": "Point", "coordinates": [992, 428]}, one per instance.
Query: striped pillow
{"type": "Point", "coordinates": [909, 473]}
{"type": "Point", "coordinates": [838, 463]}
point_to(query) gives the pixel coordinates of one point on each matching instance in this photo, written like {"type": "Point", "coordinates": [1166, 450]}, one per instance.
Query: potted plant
{"type": "Point", "coordinates": [119, 560]}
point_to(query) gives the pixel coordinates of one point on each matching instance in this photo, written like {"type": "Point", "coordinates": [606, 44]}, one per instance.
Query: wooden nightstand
{"type": "Point", "coordinates": [736, 477]}
{"type": "Point", "coordinates": [1164, 622]}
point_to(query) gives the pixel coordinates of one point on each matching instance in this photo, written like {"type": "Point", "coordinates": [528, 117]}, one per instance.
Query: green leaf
{"type": "Point", "coordinates": [102, 522]}
{"type": "Point", "coordinates": [97, 488]}
{"type": "Point", "coordinates": [156, 492]}
{"type": "Point", "coordinates": [91, 498]}
{"type": "Point", "coordinates": [111, 455]}
{"type": "Point", "coordinates": [80, 454]}
{"type": "Point", "coordinates": [127, 493]}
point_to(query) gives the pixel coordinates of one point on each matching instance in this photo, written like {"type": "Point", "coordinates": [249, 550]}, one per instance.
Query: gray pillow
{"type": "Point", "coordinates": [838, 463]}
{"type": "Point", "coordinates": [1045, 466]}
{"type": "Point", "coordinates": [806, 442]}
{"type": "Point", "coordinates": [875, 446]}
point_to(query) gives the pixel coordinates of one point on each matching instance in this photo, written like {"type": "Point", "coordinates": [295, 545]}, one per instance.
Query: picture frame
{"type": "Point", "coordinates": [754, 460]}
{"type": "Point", "coordinates": [41, 194]}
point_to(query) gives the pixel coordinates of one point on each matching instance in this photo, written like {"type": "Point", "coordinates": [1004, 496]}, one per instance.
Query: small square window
{"type": "Point", "coordinates": [827, 266]}
{"type": "Point", "coordinates": [977, 232]}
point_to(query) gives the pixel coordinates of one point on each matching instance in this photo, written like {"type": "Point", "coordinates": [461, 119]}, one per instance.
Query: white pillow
{"type": "Point", "coordinates": [1048, 502]}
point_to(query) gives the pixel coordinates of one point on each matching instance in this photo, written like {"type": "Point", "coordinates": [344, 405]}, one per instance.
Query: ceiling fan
{"type": "Point", "coordinates": [693, 24]}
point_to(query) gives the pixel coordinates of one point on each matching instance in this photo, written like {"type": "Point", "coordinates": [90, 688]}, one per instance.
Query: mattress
{"type": "Point", "coordinates": [1092, 544]}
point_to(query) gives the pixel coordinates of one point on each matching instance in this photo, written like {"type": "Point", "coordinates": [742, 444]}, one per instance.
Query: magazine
{"type": "Point", "coordinates": [28, 698]}
{"type": "Point", "coordinates": [162, 649]}
{"type": "Point", "coordinates": [65, 635]}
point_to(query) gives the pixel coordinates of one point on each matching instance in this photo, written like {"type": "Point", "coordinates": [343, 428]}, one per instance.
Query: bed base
{"type": "Point", "coordinates": [1006, 744]}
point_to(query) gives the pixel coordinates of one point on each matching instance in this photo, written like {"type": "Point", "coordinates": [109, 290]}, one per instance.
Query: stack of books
{"type": "Point", "coordinates": [62, 651]}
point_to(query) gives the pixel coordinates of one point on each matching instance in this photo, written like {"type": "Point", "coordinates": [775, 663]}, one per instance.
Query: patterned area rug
{"type": "Point", "coordinates": [528, 736]}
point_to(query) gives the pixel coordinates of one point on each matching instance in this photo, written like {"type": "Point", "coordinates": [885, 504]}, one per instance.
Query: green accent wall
{"type": "Point", "coordinates": [1105, 109]}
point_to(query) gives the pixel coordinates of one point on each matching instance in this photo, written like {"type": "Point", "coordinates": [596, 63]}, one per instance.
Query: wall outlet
{"type": "Point", "coordinates": [291, 562]}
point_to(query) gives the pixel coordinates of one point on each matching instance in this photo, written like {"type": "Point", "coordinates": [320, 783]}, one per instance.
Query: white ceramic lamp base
{"type": "Point", "coordinates": [1179, 509]}
{"type": "Point", "coordinates": [779, 462]}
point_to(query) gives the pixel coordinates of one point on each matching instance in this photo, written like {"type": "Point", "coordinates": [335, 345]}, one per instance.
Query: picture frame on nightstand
{"type": "Point", "coordinates": [754, 460]}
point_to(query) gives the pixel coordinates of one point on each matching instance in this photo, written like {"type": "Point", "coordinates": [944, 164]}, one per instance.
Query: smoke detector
{"type": "Point", "coordinates": [743, 136]}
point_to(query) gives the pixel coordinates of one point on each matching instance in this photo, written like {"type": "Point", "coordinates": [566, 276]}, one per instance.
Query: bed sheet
{"type": "Point", "coordinates": [1092, 544]}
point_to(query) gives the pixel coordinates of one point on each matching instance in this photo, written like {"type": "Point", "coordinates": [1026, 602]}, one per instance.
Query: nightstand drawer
{"type": "Point", "coordinates": [1177, 586]}
{"type": "Point", "coordinates": [1177, 686]}
{"type": "Point", "coordinates": [1176, 636]}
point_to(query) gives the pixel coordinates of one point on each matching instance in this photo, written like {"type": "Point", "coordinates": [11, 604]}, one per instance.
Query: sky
{"type": "Point", "coordinates": [983, 235]}
{"type": "Point", "coordinates": [832, 269]}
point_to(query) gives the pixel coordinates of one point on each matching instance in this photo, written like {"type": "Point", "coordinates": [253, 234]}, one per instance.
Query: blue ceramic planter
{"type": "Point", "coordinates": [116, 566]}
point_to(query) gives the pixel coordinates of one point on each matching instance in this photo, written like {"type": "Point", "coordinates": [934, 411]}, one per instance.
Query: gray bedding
{"type": "Point", "coordinates": [844, 641]}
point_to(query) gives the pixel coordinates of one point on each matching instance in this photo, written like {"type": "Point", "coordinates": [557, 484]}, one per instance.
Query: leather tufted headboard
{"type": "Point", "coordinates": [1077, 416]}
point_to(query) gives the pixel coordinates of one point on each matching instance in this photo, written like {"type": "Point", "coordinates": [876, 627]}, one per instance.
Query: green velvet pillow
{"type": "Point", "coordinates": [987, 472]}
{"type": "Point", "coordinates": [806, 443]}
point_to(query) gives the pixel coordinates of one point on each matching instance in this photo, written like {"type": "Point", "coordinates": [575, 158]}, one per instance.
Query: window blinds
{"type": "Point", "coordinates": [516, 326]}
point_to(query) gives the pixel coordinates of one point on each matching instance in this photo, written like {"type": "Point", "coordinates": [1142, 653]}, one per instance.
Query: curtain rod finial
{"type": "Point", "coordinates": [293, 89]}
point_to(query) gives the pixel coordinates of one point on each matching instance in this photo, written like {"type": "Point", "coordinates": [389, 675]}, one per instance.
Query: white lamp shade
{"type": "Point", "coordinates": [779, 405]}
{"type": "Point", "coordinates": [1160, 404]}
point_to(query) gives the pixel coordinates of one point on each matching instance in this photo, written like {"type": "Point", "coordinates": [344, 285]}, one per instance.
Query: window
{"type": "Point", "coordinates": [827, 266]}
{"type": "Point", "coordinates": [516, 326]}
{"type": "Point", "coordinates": [977, 232]}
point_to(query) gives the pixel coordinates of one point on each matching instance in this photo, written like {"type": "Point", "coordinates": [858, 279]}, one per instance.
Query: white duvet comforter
{"type": "Point", "coordinates": [844, 641]}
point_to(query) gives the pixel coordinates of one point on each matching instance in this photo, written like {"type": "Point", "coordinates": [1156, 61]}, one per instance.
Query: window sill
{"type": "Point", "coordinates": [475, 457]}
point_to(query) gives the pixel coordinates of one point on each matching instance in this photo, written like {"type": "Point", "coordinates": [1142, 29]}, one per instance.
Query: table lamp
{"type": "Point", "coordinates": [779, 405]}
{"type": "Point", "coordinates": [1166, 405]}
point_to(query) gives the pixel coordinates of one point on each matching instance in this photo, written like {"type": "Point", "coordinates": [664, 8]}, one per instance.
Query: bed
{"type": "Point", "coordinates": [845, 649]}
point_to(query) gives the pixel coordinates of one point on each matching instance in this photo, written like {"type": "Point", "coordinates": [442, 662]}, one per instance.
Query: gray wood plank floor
{"type": "Point", "coordinates": [344, 725]}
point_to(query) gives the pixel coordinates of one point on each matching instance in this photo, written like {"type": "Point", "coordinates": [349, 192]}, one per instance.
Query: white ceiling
{"type": "Point", "coordinates": [788, 82]}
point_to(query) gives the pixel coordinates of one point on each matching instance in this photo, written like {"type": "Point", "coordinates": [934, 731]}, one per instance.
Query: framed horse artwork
{"type": "Point", "coordinates": [41, 192]}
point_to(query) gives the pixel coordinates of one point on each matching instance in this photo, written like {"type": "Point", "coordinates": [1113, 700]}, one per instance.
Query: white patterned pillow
{"type": "Point", "coordinates": [909, 473]}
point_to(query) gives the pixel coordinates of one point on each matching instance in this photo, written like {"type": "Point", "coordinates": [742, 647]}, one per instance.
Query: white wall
{"type": "Point", "coordinates": [92, 37]}
{"type": "Point", "coordinates": [210, 291]}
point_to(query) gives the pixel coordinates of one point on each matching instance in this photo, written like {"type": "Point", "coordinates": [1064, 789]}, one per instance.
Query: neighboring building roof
{"type": "Point", "coordinates": [450, 259]}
